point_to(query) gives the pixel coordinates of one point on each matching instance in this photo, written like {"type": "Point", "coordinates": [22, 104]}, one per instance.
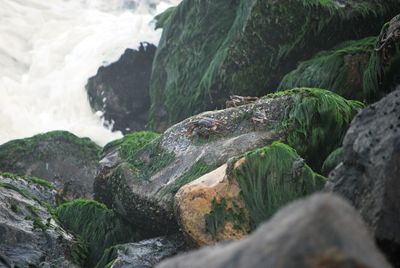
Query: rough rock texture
{"type": "Point", "coordinates": [322, 231]}
{"type": "Point", "coordinates": [370, 172]}
{"type": "Point", "coordinates": [59, 157]}
{"type": "Point", "coordinates": [248, 50]}
{"type": "Point", "coordinates": [142, 186]}
{"type": "Point", "coordinates": [340, 70]}
{"type": "Point", "coordinates": [229, 202]}
{"type": "Point", "coordinates": [143, 254]}
{"type": "Point", "coordinates": [121, 90]}
{"type": "Point", "coordinates": [29, 236]}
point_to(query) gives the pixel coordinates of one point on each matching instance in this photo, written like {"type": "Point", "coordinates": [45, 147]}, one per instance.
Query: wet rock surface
{"type": "Point", "coordinates": [321, 231]}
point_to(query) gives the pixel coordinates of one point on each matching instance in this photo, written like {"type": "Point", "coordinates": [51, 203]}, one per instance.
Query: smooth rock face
{"type": "Point", "coordinates": [321, 231]}
{"type": "Point", "coordinates": [60, 157]}
{"type": "Point", "coordinates": [29, 236]}
{"type": "Point", "coordinates": [121, 90]}
{"type": "Point", "coordinates": [206, 195]}
{"type": "Point", "coordinates": [369, 176]}
{"type": "Point", "coordinates": [143, 254]}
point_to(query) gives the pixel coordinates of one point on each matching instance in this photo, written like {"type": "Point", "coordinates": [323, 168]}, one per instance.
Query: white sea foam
{"type": "Point", "coordinates": [48, 50]}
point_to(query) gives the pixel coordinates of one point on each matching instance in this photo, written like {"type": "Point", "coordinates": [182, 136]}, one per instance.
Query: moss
{"type": "Point", "coordinates": [161, 19]}
{"type": "Point", "coordinates": [220, 214]}
{"type": "Point", "coordinates": [131, 143]}
{"type": "Point", "coordinates": [271, 177]}
{"type": "Point", "coordinates": [316, 122]}
{"type": "Point", "coordinates": [109, 256]}
{"type": "Point", "coordinates": [31, 179]}
{"type": "Point", "coordinates": [98, 226]}
{"type": "Point", "coordinates": [22, 192]}
{"type": "Point", "coordinates": [339, 70]}
{"type": "Point", "coordinates": [332, 161]}
{"type": "Point", "coordinates": [248, 50]}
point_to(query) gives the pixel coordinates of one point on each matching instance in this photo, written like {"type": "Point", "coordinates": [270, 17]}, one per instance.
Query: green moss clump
{"type": "Point", "coordinates": [332, 161]}
{"type": "Point", "coordinates": [98, 226]}
{"type": "Point", "coordinates": [316, 122]}
{"type": "Point", "coordinates": [161, 19]}
{"type": "Point", "coordinates": [271, 177]}
{"type": "Point", "coordinates": [339, 70]}
{"type": "Point", "coordinates": [32, 179]}
{"type": "Point", "coordinates": [131, 143]}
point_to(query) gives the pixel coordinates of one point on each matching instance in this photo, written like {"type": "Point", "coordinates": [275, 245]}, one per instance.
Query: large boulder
{"type": "Point", "coordinates": [369, 176]}
{"type": "Point", "coordinates": [29, 235]}
{"type": "Point", "coordinates": [322, 231]}
{"type": "Point", "coordinates": [98, 226]}
{"type": "Point", "coordinates": [142, 186]}
{"type": "Point", "coordinates": [60, 157]}
{"type": "Point", "coordinates": [229, 202]}
{"type": "Point", "coordinates": [248, 50]}
{"type": "Point", "coordinates": [120, 91]}
{"type": "Point", "coordinates": [143, 254]}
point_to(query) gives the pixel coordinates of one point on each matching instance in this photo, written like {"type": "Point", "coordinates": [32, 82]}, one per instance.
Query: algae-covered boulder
{"type": "Point", "coordinates": [60, 157]}
{"type": "Point", "coordinates": [121, 90]}
{"type": "Point", "coordinates": [205, 55]}
{"type": "Point", "coordinates": [229, 202]}
{"type": "Point", "coordinates": [29, 235]}
{"type": "Point", "coordinates": [322, 231]}
{"type": "Point", "coordinates": [369, 175]}
{"type": "Point", "coordinates": [143, 254]}
{"type": "Point", "coordinates": [98, 226]}
{"type": "Point", "coordinates": [332, 161]}
{"type": "Point", "coordinates": [142, 187]}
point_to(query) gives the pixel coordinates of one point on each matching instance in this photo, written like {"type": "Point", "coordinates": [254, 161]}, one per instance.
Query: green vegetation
{"type": "Point", "coordinates": [109, 256]}
{"type": "Point", "coordinates": [31, 179]}
{"type": "Point", "coordinates": [332, 161]}
{"type": "Point", "coordinates": [162, 18]}
{"type": "Point", "coordinates": [316, 122]}
{"type": "Point", "coordinates": [98, 226]}
{"type": "Point", "coordinates": [339, 70]}
{"type": "Point", "coordinates": [271, 177]}
{"type": "Point", "coordinates": [248, 50]}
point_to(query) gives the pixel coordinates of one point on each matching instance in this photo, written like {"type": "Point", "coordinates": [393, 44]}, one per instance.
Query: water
{"type": "Point", "coordinates": [48, 50]}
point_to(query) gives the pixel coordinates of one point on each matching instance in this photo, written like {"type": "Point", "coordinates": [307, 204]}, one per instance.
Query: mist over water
{"type": "Point", "coordinates": [48, 50]}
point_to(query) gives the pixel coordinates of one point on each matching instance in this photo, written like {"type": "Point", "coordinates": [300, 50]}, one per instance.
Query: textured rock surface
{"type": "Point", "coordinates": [59, 157]}
{"type": "Point", "coordinates": [249, 49]}
{"type": "Point", "coordinates": [121, 90]}
{"type": "Point", "coordinates": [143, 254]}
{"type": "Point", "coordinates": [322, 231]}
{"type": "Point", "coordinates": [370, 173]}
{"type": "Point", "coordinates": [141, 187]}
{"type": "Point", "coordinates": [29, 236]}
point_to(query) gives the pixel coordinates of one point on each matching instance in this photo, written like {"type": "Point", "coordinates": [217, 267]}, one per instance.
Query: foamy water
{"type": "Point", "coordinates": [48, 50]}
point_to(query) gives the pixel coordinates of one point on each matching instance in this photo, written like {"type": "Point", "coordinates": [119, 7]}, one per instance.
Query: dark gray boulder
{"type": "Point", "coordinates": [369, 176]}
{"type": "Point", "coordinates": [58, 157]}
{"type": "Point", "coordinates": [321, 231]}
{"type": "Point", "coordinates": [143, 254]}
{"type": "Point", "coordinates": [29, 236]}
{"type": "Point", "coordinates": [121, 90]}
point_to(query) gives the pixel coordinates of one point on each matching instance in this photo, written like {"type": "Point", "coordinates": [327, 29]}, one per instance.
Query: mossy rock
{"type": "Point", "coordinates": [30, 236]}
{"type": "Point", "coordinates": [248, 48]}
{"type": "Point", "coordinates": [61, 158]}
{"type": "Point", "coordinates": [98, 226]}
{"type": "Point", "coordinates": [334, 159]}
{"type": "Point", "coordinates": [340, 70]}
{"type": "Point", "coordinates": [141, 187]}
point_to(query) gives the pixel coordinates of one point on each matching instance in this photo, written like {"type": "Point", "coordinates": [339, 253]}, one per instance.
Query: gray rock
{"type": "Point", "coordinates": [369, 176]}
{"type": "Point", "coordinates": [321, 231]}
{"type": "Point", "coordinates": [144, 254]}
{"type": "Point", "coordinates": [60, 157]}
{"type": "Point", "coordinates": [29, 236]}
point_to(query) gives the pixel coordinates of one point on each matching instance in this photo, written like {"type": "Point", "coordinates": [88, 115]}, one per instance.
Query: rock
{"type": "Point", "coordinates": [369, 175]}
{"type": "Point", "coordinates": [120, 91]}
{"type": "Point", "coordinates": [98, 226]}
{"type": "Point", "coordinates": [340, 69]}
{"type": "Point", "coordinates": [60, 157]}
{"type": "Point", "coordinates": [143, 254]}
{"type": "Point", "coordinates": [29, 236]}
{"type": "Point", "coordinates": [229, 202]}
{"type": "Point", "coordinates": [333, 160]}
{"type": "Point", "coordinates": [248, 50]}
{"type": "Point", "coordinates": [321, 231]}
{"type": "Point", "coordinates": [142, 187]}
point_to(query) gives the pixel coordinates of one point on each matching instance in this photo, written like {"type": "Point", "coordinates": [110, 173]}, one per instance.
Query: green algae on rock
{"type": "Point", "coordinates": [334, 159]}
{"type": "Point", "coordinates": [98, 226]}
{"type": "Point", "coordinates": [249, 49]}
